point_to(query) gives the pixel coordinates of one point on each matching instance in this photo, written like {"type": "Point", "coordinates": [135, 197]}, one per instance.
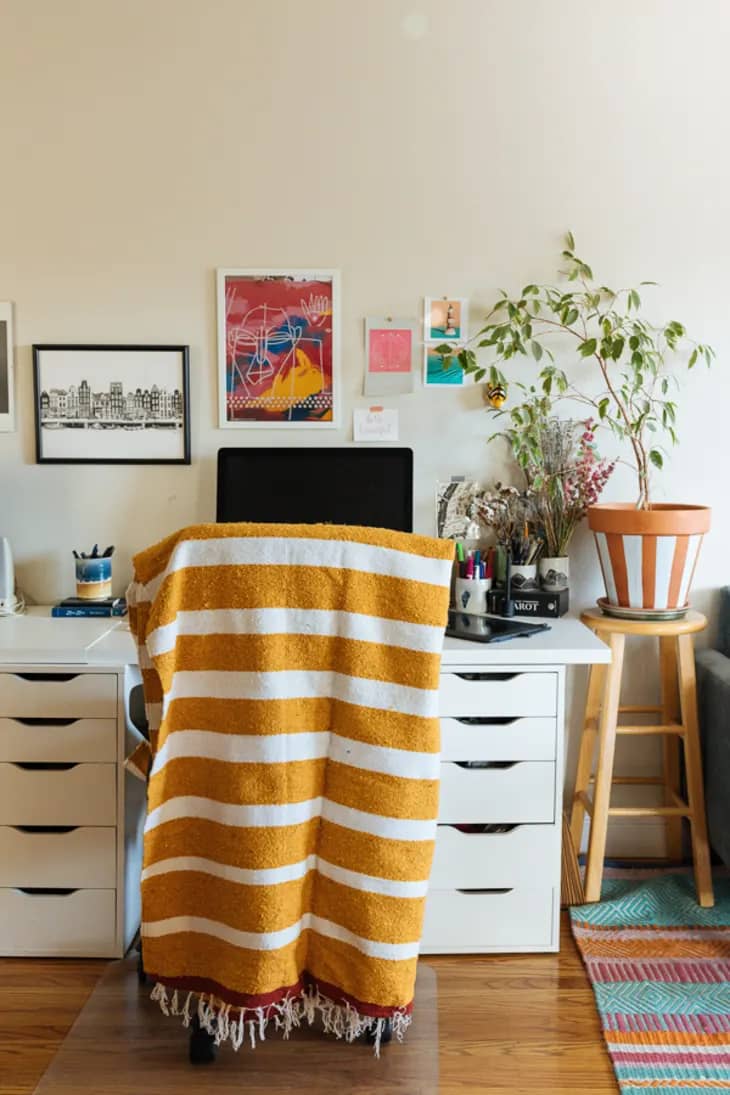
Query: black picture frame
{"type": "Point", "coordinates": [91, 412]}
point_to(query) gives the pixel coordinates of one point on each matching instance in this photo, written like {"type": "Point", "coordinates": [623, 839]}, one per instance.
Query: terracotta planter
{"type": "Point", "coordinates": [648, 557]}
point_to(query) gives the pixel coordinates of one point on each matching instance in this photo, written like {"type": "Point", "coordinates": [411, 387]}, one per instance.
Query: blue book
{"type": "Point", "coordinates": [89, 610]}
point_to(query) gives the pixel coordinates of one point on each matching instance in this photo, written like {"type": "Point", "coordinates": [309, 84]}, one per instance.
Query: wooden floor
{"type": "Point", "coordinates": [524, 1024]}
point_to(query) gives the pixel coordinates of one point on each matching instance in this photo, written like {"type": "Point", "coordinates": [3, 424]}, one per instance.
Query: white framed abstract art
{"type": "Point", "coordinates": [278, 348]}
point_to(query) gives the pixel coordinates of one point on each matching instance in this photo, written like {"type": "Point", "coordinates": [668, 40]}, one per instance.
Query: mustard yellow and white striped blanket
{"type": "Point", "coordinates": [291, 677]}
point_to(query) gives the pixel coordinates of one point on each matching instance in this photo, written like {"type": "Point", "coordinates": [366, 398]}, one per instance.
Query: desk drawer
{"type": "Point", "coordinates": [69, 859]}
{"type": "Point", "coordinates": [59, 740]}
{"type": "Point", "coordinates": [526, 855]}
{"type": "Point", "coordinates": [84, 794]}
{"type": "Point", "coordinates": [458, 922]}
{"type": "Point", "coordinates": [478, 737]}
{"type": "Point", "coordinates": [58, 695]}
{"type": "Point", "coordinates": [498, 694]}
{"type": "Point", "coordinates": [81, 922]}
{"type": "Point", "coordinates": [522, 792]}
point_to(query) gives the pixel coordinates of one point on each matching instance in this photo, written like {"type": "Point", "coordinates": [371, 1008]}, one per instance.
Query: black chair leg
{"type": "Point", "coordinates": [202, 1045]}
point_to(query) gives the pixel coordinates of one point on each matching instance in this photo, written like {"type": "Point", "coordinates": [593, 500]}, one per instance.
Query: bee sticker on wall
{"type": "Point", "coordinates": [496, 395]}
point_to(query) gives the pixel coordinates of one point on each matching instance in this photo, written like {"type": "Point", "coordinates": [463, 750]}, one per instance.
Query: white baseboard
{"type": "Point", "coordinates": [629, 837]}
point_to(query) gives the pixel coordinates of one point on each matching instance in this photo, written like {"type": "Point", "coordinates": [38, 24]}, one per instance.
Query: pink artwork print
{"type": "Point", "coordinates": [390, 351]}
{"type": "Point", "coordinates": [279, 349]}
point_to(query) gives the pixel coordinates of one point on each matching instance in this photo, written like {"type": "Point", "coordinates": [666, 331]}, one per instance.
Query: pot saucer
{"type": "Point", "coordinates": [621, 613]}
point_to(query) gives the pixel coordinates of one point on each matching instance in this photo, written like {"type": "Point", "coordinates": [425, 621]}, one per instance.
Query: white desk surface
{"type": "Point", "coordinates": [36, 637]}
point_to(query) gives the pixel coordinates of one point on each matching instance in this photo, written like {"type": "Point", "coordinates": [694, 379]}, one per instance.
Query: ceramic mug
{"type": "Point", "coordinates": [554, 573]}
{"type": "Point", "coordinates": [94, 578]}
{"type": "Point", "coordinates": [470, 594]}
{"type": "Point", "coordinates": [523, 577]}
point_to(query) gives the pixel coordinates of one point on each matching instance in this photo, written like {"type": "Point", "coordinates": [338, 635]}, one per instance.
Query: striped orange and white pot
{"type": "Point", "coordinates": [648, 557]}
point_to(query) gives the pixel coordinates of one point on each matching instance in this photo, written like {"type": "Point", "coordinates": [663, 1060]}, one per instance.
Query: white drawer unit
{"type": "Point", "coordinates": [60, 924]}
{"type": "Point", "coordinates": [58, 857]}
{"type": "Point", "coordinates": [496, 871]}
{"type": "Point", "coordinates": [478, 920]}
{"type": "Point", "coordinates": [80, 794]}
{"type": "Point", "coordinates": [66, 887]}
{"type": "Point", "coordinates": [525, 788]}
{"type": "Point", "coordinates": [59, 739]}
{"type": "Point", "coordinates": [58, 695]}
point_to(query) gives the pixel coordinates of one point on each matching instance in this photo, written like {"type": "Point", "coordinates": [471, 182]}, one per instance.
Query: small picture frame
{"type": "Point", "coordinates": [445, 319]}
{"type": "Point", "coordinates": [7, 397]}
{"type": "Point", "coordinates": [434, 373]}
{"type": "Point", "coordinates": [111, 404]}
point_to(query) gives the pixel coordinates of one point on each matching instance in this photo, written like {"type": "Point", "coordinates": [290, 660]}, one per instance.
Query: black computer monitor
{"type": "Point", "coordinates": [322, 484]}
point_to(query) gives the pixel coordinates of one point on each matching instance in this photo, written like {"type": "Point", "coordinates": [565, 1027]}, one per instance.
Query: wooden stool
{"type": "Point", "coordinates": [678, 711]}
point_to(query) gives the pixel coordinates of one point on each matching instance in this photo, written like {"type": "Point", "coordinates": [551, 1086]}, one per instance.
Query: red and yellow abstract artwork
{"type": "Point", "coordinates": [278, 332]}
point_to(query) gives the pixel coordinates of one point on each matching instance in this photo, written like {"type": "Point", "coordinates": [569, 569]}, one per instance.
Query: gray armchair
{"type": "Point", "coordinates": [713, 694]}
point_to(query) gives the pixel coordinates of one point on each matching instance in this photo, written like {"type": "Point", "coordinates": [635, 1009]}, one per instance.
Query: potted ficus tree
{"type": "Point", "coordinates": [647, 550]}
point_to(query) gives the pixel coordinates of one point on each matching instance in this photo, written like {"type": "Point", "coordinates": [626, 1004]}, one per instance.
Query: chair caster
{"type": "Point", "coordinates": [385, 1037]}
{"type": "Point", "coordinates": [141, 974]}
{"type": "Point", "coordinates": [202, 1045]}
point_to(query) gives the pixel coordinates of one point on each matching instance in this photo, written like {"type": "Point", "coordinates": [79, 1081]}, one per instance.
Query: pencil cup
{"type": "Point", "coordinates": [94, 578]}
{"type": "Point", "coordinates": [524, 577]}
{"type": "Point", "coordinates": [470, 594]}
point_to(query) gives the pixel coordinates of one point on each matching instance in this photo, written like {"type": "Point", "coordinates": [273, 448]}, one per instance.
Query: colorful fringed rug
{"type": "Point", "coordinates": [660, 970]}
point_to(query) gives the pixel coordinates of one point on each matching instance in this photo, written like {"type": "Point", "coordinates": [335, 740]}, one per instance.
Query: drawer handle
{"type": "Point", "coordinates": [44, 891]}
{"type": "Point", "coordinates": [486, 676]}
{"type": "Point", "coordinates": [45, 722]}
{"type": "Point", "coordinates": [484, 763]}
{"type": "Point", "coordinates": [474, 828]}
{"type": "Point", "coordinates": [45, 828]}
{"type": "Point", "coordinates": [477, 720]}
{"type": "Point", "coordinates": [44, 765]}
{"type": "Point", "coordinates": [507, 889]}
{"type": "Point", "coordinates": [60, 677]}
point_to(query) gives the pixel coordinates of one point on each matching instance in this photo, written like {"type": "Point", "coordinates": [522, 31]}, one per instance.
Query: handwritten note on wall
{"type": "Point", "coordinates": [375, 424]}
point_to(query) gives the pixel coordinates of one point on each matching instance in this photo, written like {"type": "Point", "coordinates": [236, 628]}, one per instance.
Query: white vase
{"type": "Point", "coordinates": [554, 573]}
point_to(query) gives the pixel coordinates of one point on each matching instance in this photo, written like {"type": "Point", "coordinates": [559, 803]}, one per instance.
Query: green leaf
{"type": "Point", "coordinates": [603, 406]}
{"type": "Point", "coordinates": [571, 317]}
{"type": "Point", "coordinates": [444, 348]}
{"type": "Point", "coordinates": [692, 358]}
{"type": "Point", "coordinates": [479, 375]}
{"type": "Point", "coordinates": [530, 290]}
{"type": "Point", "coordinates": [570, 241]}
{"type": "Point", "coordinates": [587, 348]}
{"type": "Point", "coordinates": [617, 348]}
{"type": "Point", "coordinates": [536, 350]}
{"type": "Point", "coordinates": [656, 458]}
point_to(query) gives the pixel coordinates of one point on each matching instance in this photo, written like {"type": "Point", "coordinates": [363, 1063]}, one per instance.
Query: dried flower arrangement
{"type": "Point", "coordinates": [564, 471]}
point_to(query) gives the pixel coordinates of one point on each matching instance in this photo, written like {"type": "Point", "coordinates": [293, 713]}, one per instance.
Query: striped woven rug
{"type": "Point", "coordinates": [660, 970]}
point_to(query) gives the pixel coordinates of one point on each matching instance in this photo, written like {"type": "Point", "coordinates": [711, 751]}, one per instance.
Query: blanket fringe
{"type": "Point", "coordinates": [227, 1023]}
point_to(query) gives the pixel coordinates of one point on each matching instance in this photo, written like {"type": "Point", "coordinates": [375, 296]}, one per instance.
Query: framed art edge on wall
{"type": "Point", "coordinates": [224, 272]}
{"type": "Point", "coordinates": [65, 348]}
{"type": "Point", "coordinates": [7, 358]}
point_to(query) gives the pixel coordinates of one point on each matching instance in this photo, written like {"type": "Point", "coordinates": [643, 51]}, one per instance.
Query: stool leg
{"type": "Point", "coordinates": [670, 744]}
{"type": "Point", "coordinates": [693, 763]}
{"type": "Point", "coordinates": [586, 751]}
{"type": "Point", "coordinates": [604, 769]}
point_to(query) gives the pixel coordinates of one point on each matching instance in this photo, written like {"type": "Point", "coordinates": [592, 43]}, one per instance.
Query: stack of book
{"type": "Point", "coordinates": [79, 606]}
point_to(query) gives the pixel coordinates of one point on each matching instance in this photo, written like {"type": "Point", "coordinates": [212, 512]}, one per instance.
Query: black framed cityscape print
{"type": "Point", "coordinates": [112, 404]}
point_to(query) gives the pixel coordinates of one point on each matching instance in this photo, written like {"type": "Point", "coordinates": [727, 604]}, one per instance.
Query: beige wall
{"type": "Point", "coordinates": [421, 147]}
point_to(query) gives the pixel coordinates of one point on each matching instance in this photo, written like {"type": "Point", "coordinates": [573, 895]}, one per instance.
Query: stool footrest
{"type": "Point", "coordinates": [661, 728]}
{"type": "Point", "coordinates": [649, 811]}
{"type": "Point", "coordinates": [640, 709]}
{"type": "Point", "coordinates": [640, 781]}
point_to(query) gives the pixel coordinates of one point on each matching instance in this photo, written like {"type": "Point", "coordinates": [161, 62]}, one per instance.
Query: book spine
{"type": "Point", "coordinates": [98, 610]}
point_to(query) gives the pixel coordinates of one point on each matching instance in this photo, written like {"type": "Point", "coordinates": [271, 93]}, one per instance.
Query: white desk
{"type": "Point", "coordinates": [502, 708]}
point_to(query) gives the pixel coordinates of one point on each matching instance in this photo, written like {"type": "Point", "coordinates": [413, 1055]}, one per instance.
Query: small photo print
{"type": "Point", "coordinates": [434, 372]}
{"type": "Point", "coordinates": [445, 319]}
